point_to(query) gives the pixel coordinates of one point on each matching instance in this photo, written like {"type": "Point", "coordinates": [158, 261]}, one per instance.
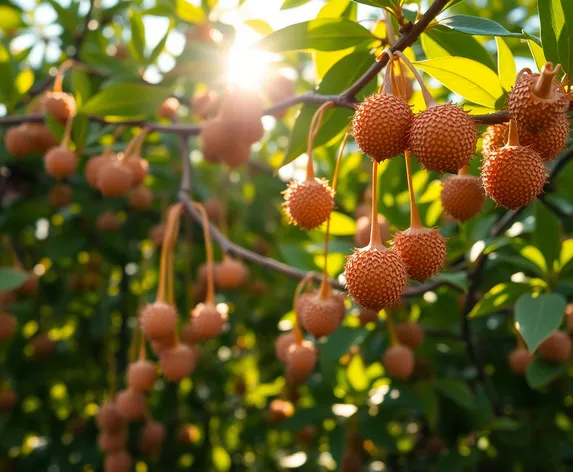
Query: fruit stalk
{"type": "Point", "coordinates": [428, 99]}
{"type": "Point", "coordinates": [67, 133]}
{"type": "Point", "coordinates": [134, 146]}
{"type": "Point", "coordinates": [60, 75]}
{"type": "Point", "coordinates": [513, 134]}
{"type": "Point", "coordinates": [375, 239]}
{"type": "Point", "coordinates": [464, 170]}
{"type": "Point", "coordinates": [391, 329]}
{"type": "Point", "coordinates": [299, 288]}
{"type": "Point", "coordinates": [312, 132]}
{"type": "Point", "coordinates": [544, 86]}
{"type": "Point", "coordinates": [210, 297]}
{"type": "Point", "coordinates": [414, 214]}
{"type": "Point", "coordinates": [142, 350]}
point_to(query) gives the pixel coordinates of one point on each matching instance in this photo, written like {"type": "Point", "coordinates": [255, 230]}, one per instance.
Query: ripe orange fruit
{"type": "Point", "coordinates": [308, 204]}
{"type": "Point", "coordinates": [423, 250]}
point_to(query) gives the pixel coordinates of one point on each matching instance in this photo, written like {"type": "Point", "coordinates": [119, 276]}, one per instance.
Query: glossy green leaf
{"type": "Point", "coordinates": [547, 234]}
{"type": "Point", "coordinates": [470, 79]}
{"type": "Point", "coordinates": [477, 26]}
{"type": "Point", "coordinates": [356, 373]}
{"type": "Point", "coordinates": [457, 391]}
{"type": "Point", "coordinates": [375, 3]}
{"type": "Point", "coordinates": [502, 295]}
{"type": "Point", "coordinates": [189, 12]}
{"type": "Point", "coordinates": [532, 254]}
{"type": "Point", "coordinates": [556, 20]}
{"type": "Point", "coordinates": [324, 34]}
{"type": "Point", "coordinates": [339, 342]}
{"type": "Point", "coordinates": [505, 64]}
{"type": "Point", "coordinates": [11, 278]}
{"type": "Point", "coordinates": [430, 404]}
{"type": "Point", "coordinates": [441, 41]}
{"type": "Point", "coordinates": [137, 36]}
{"type": "Point", "coordinates": [126, 100]}
{"type": "Point", "coordinates": [538, 317]}
{"type": "Point", "coordinates": [540, 372]}
{"type": "Point", "coordinates": [343, 74]}
{"type": "Point", "coordinates": [81, 86]}
{"type": "Point", "coordinates": [157, 50]}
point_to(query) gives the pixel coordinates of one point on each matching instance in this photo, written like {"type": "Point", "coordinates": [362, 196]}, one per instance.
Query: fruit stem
{"type": "Point", "coordinates": [375, 240]}
{"type": "Point", "coordinates": [67, 133]}
{"type": "Point", "coordinates": [513, 134]}
{"type": "Point", "coordinates": [414, 214]}
{"type": "Point", "coordinates": [391, 329]}
{"type": "Point", "coordinates": [312, 132]}
{"type": "Point", "coordinates": [299, 288]}
{"type": "Point", "coordinates": [223, 217]}
{"type": "Point", "coordinates": [164, 292]}
{"type": "Point", "coordinates": [210, 297]}
{"type": "Point", "coordinates": [142, 350]}
{"type": "Point", "coordinates": [465, 170]}
{"type": "Point", "coordinates": [544, 86]}
{"type": "Point", "coordinates": [135, 144]}
{"type": "Point", "coordinates": [60, 74]}
{"type": "Point", "coordinates": [388, 84]}
{"type": "Point", "coordinates": [428, 99]}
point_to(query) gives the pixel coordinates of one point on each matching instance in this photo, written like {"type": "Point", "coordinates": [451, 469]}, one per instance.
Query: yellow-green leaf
{"type": "Point", "coordinates": [24, 80]}
{"type": "Point", "coordinates": [341, 224]}
{"type": "Point", "coordinates": [537, 53]}
{"type": "Point", "coordinates": [221, 459]}
{"type": "Point", "coordinates": [189, 12]}
{"type": "Point", "coordinates": [505, 64]}
{"type": "Point", "coordinates": [356, 373]}
{"type": "Point", "coordinates": [9, 17]}
{"type": "Point", "coordinates": [531, 253]}
{"type": "Point", "coordinates": [260, 26]}
{"type": "Point", "coordinates": [470, 79]}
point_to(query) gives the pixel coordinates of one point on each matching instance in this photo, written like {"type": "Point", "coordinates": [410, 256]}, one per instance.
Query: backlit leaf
{"type": "Point", "coordinates": [538, 317]}
{"type": "Point", "coordinates": [505, 64]}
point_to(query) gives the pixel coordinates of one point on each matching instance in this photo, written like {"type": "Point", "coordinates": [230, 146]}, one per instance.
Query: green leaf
{"type": "Point", "coordinates": [532, 254]}
{"type": "Point", "coordinates": [429, 401]}
{"type": "Point", "coordinates": [340, 342]}
{"type": "Point", "coordinates": [11, 278]}
{"type": "Point", "coordinates": [555, 18]}
{"type": "Point", "coordinates": [505, 64]}
{"type": "Point", "coordinates": [221, 459]}
{"type": "Point", "coordinates": [477, 26]}
{"type": "Point", "coordinates": [500, 296]}
{"type": "Point", "coordinates": [540, 372]}
{"type": "Point", "coordinates": [260, 26]}
{"type": "Point", "coordinates": [457, 391]}
{"type": "Point", "coordinates": [293, 4]}
{"type": "Point", "coordinates": [356, 373]}
{"type": "Point", "coordinates": [341, 224]}
{"type": "Point", "coordinates": [375, 3]}
{"type": "Point", "coordinates": [343, 74]}
{"type": "Point", "coordinates": [125, 100]}
{"type": "Point", "coordinates": [157, 50]}
{"type": "Point", "coordinates": [504, 424]}
{"type": "Point", "coordinates": [566, 254]}
{"type": "Point", "coordinates": [538, 317]}
{"type": "Point", "coordinates": [324, 34]}
{"type": "Point", "coordinates": [189, 12]}
{"type": "Point", "coordinates": [441, 41]}
{"type": "Point", "coordinates": [547, 234]}
{"type": "Point", "coordinates": [470, 79]}
{"type": "Point", "coordinates": [24, 81]}
{"type": "Point", "coordinates": [458, 279]}
{"type": "Point", "coordinates": [9, 17]}
{"type": "Point", "coordinates": [81, 86]}
{"type": "Point", "coordinates": [137, 36]}
{"type": "Point", "coordinates": [6, 72]}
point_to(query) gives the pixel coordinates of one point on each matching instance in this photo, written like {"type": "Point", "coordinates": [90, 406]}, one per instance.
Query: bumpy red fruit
{"type": "Point", "coordinates": [139, 168]}
{"type": "Point", "coordinates": [114, 179]}
{"type": "Point", "coordinates": [381, 124]}
{"type": "Point", "coordinates": [519, 360]}
{"type": "Point", "coordinates": [423, 250]}
{"type": "Point", "coordinates": [462, 196]}
{"type": "Point", "coordinates": [302, 357]}
{"type": "Point", "coordinates": [118, 462]}
{"type": "Point", "coordinates": [399, 362]}
{"type": "Point", "coordinates": [308, 204]}
{"type": "Point", "coordinates": [320, 316]}
{"type": "Point", "coordinates": [60, 105]}
{"type": "Point", "coordinates": [230, 273]}
{"type": "Point", "coordinates": [60, 162]}
{"type": "Point", "coordinates": [283, 344]}
{"type": "Point", "coordinates": [177, 362]}
{"type": "Point", "coordinates": [152, 435]}
{"type": "Point", "coordinates": [17, 141]}
{"type": "Point", "coordinates": [130, 404]}
{"type": "Point", "coordinates": [108, 417]}
{"type": "Point", "coordinates": [208, 321]}
{"type": "Point", "coordinates": [141, 375]}
{"type": "Point", "coordinates": [367, 315]}
{"type": "Point", "coordinates": [112, 441]}
{"type": "Point", "coordinates": [410, 334]}
{"type": "Point", "coordinates": [376, 277]}
{"type": "Point", "coordinates": [363, 226]}
{"type": "Point", "coordinates": [556, 348]}
{"type": "Point", "coordinates": [93, 167]}
{"type": "Point", "coordinates": [158, 320]}
{"type": "Point", "coordinates": [532, 112]}
{"type": "Point", "coordinates": [494, 138]}
{"type": "Point", "coordinates": [513, 176]}
{"type": "Point", "coordinates": [549, 142]}
{"type": "Point", "coordinates": [443, 138]}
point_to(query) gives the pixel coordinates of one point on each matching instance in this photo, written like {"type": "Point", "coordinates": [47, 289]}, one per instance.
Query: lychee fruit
{"type": "Point", "coordinates": [189, 334]}
{"type": "Point", "coordinates": [168, 108]}
{"type": "Point", "coordinates": [398, 361]}
{"type": "Point", "coordinates": [320, 313]}
{"type": "Point", "coordinates": [423, 250]}
{"type": "Point", "coordinates": [363, 226]}
{"type": "Point", "coordinates": [376, 277]}
{"type": "Point", "coordinates": [112, 441]}
{"type": "Point", "coordinates": [282, 345]}
{"type": "Point", "coordinates": [556, 348]}
{"type": "Point", "coordinates": [114, 179]}
{"type": "Point", "coordinates": [177, 362]}
{"type": "Point", "coordinates": [230, 273]}
{"type": "Point", "coordinates": [549, 142]}
{"type": "Point", "coordinates": [141, 198]}
{"type": "Point", "coordinates": [302, 358]}
{"type": "Point", "coordinates": [118, 462]}
{"type": "Point", "coordinates": [366, 315]}
{"type": "Point", "coordinates": [60, 195]}
{"type": "Point", "coordinates": [139, 168]}
{"type": "Point", "coordinates": [236, 155]}
{"type": "Point", "coordinates": [280, 410]}
{"type": "Point", "coordinates": [495, 137]}
{"type": "Point", "coordinates": [242, 109]}
{"type": "Point", "coordinates": [130, 404]}
{"type": "Point", "coordinates": [93, 167]}
{"type": "Point", "coordinates": [364, 209]}
{"type": "Point", "coordinates": [158, 345]}
{"type": "Point", "coordinates": [151, 437]}
{"type": "Point", "coordinates": [381, 124]}
{"type": "Point", "coordinates": [462, 196]}
{"type": "Point", "coordinates": [60, 105]}
{"type": "Point", "coordinates": [410, 334]}
{"type": "Point", "coordinates": [41, 136]}
{"type": "Point", "coordinates": [141, 375]}
{"type": "Point", "coordinates": [443, 138]}
{"type": "Point", "coordinates": [519, 360]}
{"type": "Point", "coordinates": [208, 321]}
{"type": "Point", "coordinates": [60, 162]}
{"type": "Point", "coordinates": [108, 221]}
{"type": "Point", "coordinates": [108, 417]}
{"type": "Point", "coordinates": [158, 320]}
{"type": "Point", "coordinates": [8, 325]}
{"type": "Point", "coordinates": [536, 100]}
{"type": "Point", "coordinates": [308, 204]}
{"type": "Point", "coordinates": [215, 139]}
{"type": "Point", "coordinates": [18, 143]}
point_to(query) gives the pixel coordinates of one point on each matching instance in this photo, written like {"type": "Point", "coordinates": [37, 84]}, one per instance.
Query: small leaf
{"type": "Point", "coordinates": [260, 26]}
{"type": "Point", "coordinates": [356, 374]}
{"type": "Point", "coordinates": [458, 279]}
{"type": "Point", "coordinates": [376, 3]}
{"type": "Point", "coordinates": [502, 295]}
{"type": "Point", "coordinates": [24, 81]}
{"type": "Point", "coordinates": [457, 391]}
{"type": "Point", "coordinates": [540, 372]}
{"type": "Point", "coordinates": [125, 100]}
{"type": "Point", "coordinates": [547, 234]}
{"type": "Point", "coordinates": [9, 17]}
{"type": "Point", "coordinates": [221, 459]}
{"type": "Point", "coordinates": [505, 64]}
{"type": "Point", "coordinates": [532, 254]}
{"type": "Point", "coordinates": [157, 50]}
{"type": "Point", "coordinates": [11, 278]}
{"type": "Point", "coordinates": [189, 12]}
{"type": "Point", "coordinates": [339, 342]}
{"type": "Point", "coordinates": [137, 36]}
{"type": "Point", "coordinates": [566, 254]}
{"type": "Point", "coordinates": [477, 26]}
{"type": "Point", "coordinates": [341, 224]}
{"type": "Point", "coordinates": [81, 86]}
{"type": "Point", "coordinates": [470, 79]}
{"type": "Point", "coordinates": [555, 18]}
{"type": "Point", "coordinates": [293, 4]}
{"type": "Point", "coordinates": [538, 317]}
{"type": "Point", "coordinates": [324, 34]}
{"type": "Point", "coordinates": [504, 424]}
